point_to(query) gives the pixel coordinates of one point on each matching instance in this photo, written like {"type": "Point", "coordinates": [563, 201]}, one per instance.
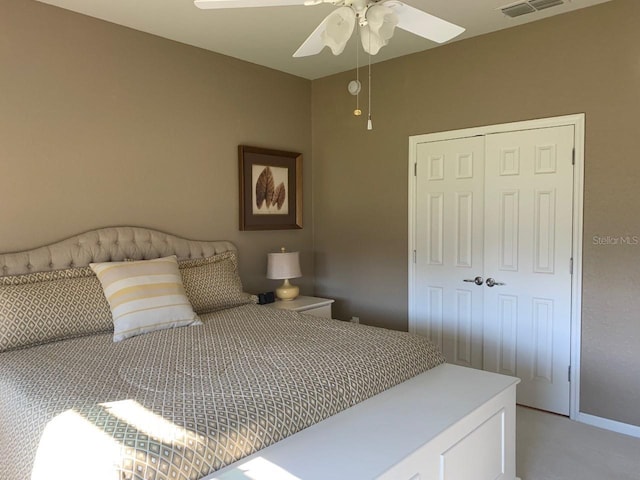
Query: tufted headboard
{"type": "Point", "coordinates": [105, 245]}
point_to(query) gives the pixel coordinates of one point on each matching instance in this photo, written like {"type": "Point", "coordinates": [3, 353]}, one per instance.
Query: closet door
{"type": "Point", "coordinates": [498, 208]}
{"type": "Point", "coordinates": [527, 247]}
{"type": "Point", "coordinates": [449, 211]}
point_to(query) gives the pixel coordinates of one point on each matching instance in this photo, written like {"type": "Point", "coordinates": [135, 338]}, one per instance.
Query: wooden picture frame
{"type": "Point", "coordinates": [270, 189]}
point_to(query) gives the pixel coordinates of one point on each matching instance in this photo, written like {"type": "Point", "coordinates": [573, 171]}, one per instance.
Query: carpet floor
{"type": "Point", "coordinates": [552, 447]}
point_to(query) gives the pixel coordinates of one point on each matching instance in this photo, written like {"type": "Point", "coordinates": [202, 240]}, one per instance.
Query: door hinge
{"type": "Point", "coordinates": [573, 157]}
{"type": "Point", "coordinates": [569, 373]}
{"type": "Point", "coordinates": [571, 266]}
{"type": "Point", "coordinates": [415, 169]}
{"type": "Point", "coordinates": [414, 256]}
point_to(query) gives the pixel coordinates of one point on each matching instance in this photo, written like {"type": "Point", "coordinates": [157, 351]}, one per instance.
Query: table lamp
{"type": "Point", "coordinates": [283, 266]}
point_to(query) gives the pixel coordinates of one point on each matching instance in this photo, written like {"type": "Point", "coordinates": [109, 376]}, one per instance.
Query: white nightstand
{"type": "Point", "coordinates": [319, 307]}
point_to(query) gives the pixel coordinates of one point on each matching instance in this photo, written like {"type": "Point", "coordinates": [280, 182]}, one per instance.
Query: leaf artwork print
{"type": "Point", "coordinates": [264, 188]}
{"type": "Point", "coordinates": [279, 195]}
{"type": "Point", "coordinates": [270, 190]}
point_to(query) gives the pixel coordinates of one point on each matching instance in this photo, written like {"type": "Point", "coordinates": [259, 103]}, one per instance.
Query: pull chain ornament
{"type": "Point", "coordinates": [354, 86]}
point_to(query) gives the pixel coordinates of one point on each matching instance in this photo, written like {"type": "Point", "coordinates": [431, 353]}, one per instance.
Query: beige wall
{"type": "Point", "coordinates": [587, 61]}
{"type": "Point", "coordinates": [102, 125]}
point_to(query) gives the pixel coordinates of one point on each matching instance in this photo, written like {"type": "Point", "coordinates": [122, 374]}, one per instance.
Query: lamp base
{"type": "Point", "coordinates": [286, 291]}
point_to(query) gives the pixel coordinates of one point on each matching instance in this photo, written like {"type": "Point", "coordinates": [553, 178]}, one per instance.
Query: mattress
{"type": "Point", "coordinates": [183, 403]}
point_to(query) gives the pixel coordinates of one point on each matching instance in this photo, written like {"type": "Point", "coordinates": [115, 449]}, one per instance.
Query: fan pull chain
{"type": "Point", "coordinates": [357, 112]}
{"type": "Point", "coordinates": [369, 123]}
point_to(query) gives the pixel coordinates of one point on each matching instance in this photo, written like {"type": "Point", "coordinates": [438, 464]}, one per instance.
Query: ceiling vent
{"type": "Point", "coordinates": [530, 6]}
{"type": "Point", "coordinates": [542, 4]}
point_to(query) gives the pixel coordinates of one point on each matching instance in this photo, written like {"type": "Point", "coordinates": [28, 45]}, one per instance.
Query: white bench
{"type": "Point", "coordinates": [450, 423]}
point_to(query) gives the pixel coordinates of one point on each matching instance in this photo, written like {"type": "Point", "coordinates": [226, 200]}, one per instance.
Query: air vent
{"type": "Point", "coordinates": [542, 4]}
{"type": "Point", "coordinates": [518, 9]}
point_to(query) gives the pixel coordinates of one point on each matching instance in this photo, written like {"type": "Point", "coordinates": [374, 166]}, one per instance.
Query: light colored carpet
{"type": "Point", "coordinates": [552, 447]}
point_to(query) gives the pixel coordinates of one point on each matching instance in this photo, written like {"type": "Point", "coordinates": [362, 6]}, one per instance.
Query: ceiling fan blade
{"type": "Point", "coordinates": [424, 24]}
{"type": "Point", "coordinates": [333, 31]}
{"type": "Point", "coordinates": [208, 4]}
{"type": "Point", "coordinates": [313, 44]}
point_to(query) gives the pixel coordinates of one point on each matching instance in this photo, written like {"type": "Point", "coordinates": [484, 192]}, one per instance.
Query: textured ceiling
{"type": "Point", "coordinates": [269, 35]}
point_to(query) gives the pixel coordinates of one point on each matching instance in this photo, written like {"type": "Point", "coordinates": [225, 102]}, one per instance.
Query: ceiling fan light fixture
{"type": "Point", "coordinates": [382, 20]}
{"type": "Point", "coordinates": [381, 23]}
{"type": "Point", "coordinates": [339, 27]}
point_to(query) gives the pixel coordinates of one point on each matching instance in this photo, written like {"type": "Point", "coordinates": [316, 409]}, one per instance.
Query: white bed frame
{"type": "Point", "coordinates": [449, 423]}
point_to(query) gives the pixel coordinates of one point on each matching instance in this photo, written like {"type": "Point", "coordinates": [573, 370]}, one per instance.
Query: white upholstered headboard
{"type": "Point", "coordinates": [105, 245]}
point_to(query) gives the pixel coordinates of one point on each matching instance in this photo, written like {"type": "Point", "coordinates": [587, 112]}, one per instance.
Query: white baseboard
{"type": "Point", "coordinates": [619, 427]}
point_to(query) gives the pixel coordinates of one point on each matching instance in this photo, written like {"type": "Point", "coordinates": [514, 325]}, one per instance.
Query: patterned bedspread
{"type": "Point", "coordinates": [182, 403]}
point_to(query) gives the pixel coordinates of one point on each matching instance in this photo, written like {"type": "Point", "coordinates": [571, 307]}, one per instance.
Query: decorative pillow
{"type": "Point", "coordinates": [213, 283]}
{"type": "Point", "coordinates": [44, 307]}
{"type": "Point", "coordinates": [145, 296]}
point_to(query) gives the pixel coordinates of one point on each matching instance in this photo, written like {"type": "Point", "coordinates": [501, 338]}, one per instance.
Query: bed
{"type": "Point", "coordinates": [242, 392]}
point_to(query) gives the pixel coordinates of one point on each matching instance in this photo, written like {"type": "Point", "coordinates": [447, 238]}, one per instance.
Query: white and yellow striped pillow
{"type": "Point", "coordinates": [145, 296]}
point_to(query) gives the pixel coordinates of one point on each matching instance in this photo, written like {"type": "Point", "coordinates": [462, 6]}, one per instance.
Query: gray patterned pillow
{"type": "Point", "coordinates": [213, 283]}
{"type": "Point", "coordinates": [47, 306]}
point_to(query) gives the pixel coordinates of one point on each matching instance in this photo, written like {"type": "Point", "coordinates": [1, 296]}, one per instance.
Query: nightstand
{"type": "Point", "coordinates": [319, 307]}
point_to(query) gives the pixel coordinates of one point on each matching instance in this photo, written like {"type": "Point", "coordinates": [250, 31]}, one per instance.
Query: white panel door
{"type": "Point", "coordinates": [499, 207]}
{"type": "Point", "coordinates": [449, 250]}
{"type": "Point", "coordinates": [527, 246]}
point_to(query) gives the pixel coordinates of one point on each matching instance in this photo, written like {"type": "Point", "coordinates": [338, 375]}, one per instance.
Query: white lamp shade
{"type": "Point", "coordinates": [339, 27]}
{"type": "Point", "coordinates": [282, 266]}
{"type": "Point", "coordinates": [381, 24]}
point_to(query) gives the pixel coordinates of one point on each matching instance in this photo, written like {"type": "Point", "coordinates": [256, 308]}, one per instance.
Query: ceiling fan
{"type": "Point", "coordinates": [376, 20]}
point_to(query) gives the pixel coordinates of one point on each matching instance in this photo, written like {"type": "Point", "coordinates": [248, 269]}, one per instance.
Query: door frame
{"type": "Point", "coordinates": [578, 122]}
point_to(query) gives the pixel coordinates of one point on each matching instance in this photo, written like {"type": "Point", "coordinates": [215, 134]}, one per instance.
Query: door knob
{"type": "Point", "coordinates": [491, 282]}
{"type": "Point", "coordinates": [477, 280]}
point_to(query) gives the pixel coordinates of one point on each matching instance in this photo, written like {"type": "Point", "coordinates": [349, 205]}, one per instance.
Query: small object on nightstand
{"type": "Point", "coordinates": [267, 297]}
{"type": "Point", "coordinates": [283, 266]}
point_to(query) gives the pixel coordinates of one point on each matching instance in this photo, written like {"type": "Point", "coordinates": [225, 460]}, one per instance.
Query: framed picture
{"type": "Point", "coordinates": [270, 189]}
